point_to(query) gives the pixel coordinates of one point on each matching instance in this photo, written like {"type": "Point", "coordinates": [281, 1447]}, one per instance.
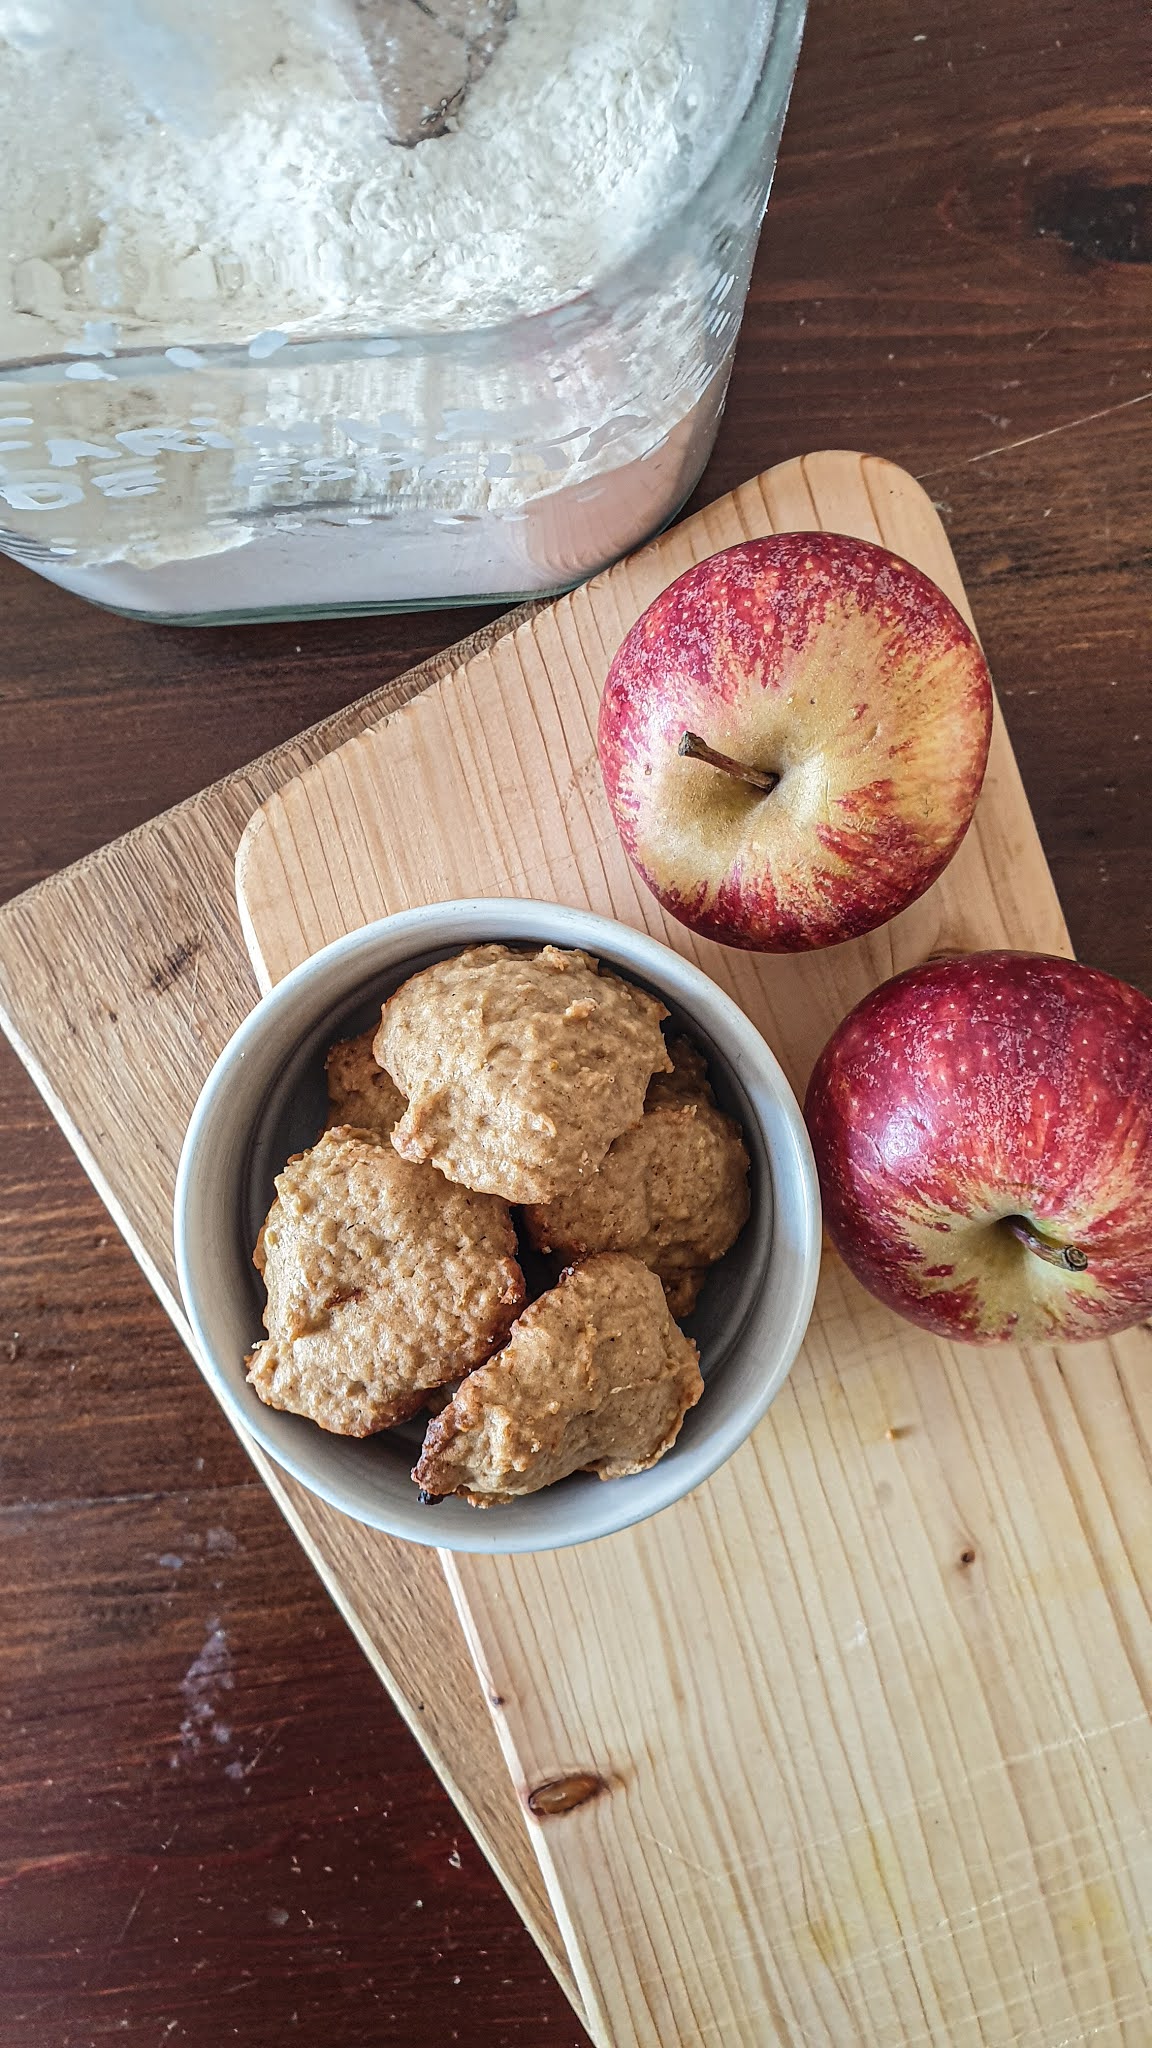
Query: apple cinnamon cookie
{"type": "Point", "coordinates": [520, 1069]}
{"type": "Point", "coordinates": [673, 1192]}
{"type": "Point", "coordinates": [359, 1091]}
{"type": "Point", "coordinates": [687, 1080]}
{"type": "Point", "coordinates": [595, 1377]}
{"type": "Point", "coordinates": [682, 1289]}
{"type": "Point", "coordinates": [384, 1280]}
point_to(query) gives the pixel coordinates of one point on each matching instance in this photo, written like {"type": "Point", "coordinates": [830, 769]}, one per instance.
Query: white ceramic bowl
{"type": "Point", "coordinates": [265, 1098]}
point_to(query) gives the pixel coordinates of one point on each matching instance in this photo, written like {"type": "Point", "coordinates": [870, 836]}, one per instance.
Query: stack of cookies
{"type": "Point", "coordinates": [498, 1080]}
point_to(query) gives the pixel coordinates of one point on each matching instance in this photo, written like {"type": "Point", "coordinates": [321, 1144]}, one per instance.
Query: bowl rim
{"type": "Point", "coordinates": [430, 925]}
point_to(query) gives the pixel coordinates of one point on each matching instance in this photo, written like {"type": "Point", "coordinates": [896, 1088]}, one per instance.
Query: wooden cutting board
{"type": "Point", "coordinates": [865, 1719]}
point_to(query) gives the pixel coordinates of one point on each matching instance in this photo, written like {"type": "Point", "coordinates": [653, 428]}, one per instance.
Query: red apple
{"type": "Point", "coordinates": [983, 1133]}
{"type": "Point", "coordinates": [793, 738]}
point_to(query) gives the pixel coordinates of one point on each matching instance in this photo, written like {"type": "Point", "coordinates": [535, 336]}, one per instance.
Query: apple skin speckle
{"type": "Point", "coordinates": [837, 666]}
{"type": "Point", "coordinates": [974, 1089]}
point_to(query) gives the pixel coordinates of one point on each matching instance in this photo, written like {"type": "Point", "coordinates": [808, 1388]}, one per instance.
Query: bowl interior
{"type": "Point", "coordinates": [271, 1101]}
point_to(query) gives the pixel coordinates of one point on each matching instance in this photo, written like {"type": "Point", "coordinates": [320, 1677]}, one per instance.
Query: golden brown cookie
{"type": "Point", "coordinates": [359, 1092]}
{"type": "Point", "coordinates": [682, 1289]}
{"type": "Point", "coordinates": [688, 1080]}
{"type": "Point", "coordinates": [595, 1377]}
{"type": "Point", "coordinates": [673, 1192]}
{"type": "Point", "coordinates": [519, 1068]}
{"type": "Point", "coordinates": [383, 1280]}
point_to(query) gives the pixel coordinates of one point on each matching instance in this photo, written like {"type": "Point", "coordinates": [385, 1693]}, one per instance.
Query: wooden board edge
{"type": "Point", "coordinates": [257, 824]}
{"type": "Point", "coordinates": [583, 1995]}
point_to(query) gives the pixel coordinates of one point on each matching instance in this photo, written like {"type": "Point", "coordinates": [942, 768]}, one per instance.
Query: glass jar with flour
{"type": "Point", "coordinates": [339, 305]}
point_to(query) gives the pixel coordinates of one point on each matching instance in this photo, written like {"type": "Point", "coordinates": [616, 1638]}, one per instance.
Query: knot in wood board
{"type": "Point", "coordinates": [563, 1795]}
{"type": "Point", "coordinates": [1101, 223]}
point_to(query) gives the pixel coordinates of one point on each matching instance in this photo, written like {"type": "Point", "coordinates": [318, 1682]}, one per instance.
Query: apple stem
{"type": "Point", "coordinates": [1070, 1256]}
{"type": "Point", "coordinates": [697, 749]}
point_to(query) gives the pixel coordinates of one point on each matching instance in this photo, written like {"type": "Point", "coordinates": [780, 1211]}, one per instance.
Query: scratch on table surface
{"type": "Point", "coordinates": [1064, 427]}
{"type": "Point", "coordinates": [239, 1770]}
{"type": "Point", "coordinates": [110, 1957]}
{"type": "Point", "coordinates": [133, 1909]}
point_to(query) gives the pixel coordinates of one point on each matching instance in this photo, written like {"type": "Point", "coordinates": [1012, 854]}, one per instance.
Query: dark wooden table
{"type": "Point", "coordinates": [214, 1826]}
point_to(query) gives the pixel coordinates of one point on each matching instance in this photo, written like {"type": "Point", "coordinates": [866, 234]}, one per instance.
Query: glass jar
{"type": "Point", "coordinates": [162, 458]}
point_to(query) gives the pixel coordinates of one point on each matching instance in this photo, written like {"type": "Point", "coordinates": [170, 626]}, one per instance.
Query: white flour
{"type": "Point", "coordinates": [179, 175]}
{"type": "Point", "coordinates": [216, 174]}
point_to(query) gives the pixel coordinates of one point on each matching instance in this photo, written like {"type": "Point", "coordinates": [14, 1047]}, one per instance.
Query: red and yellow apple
{"type": "Point", "coordinates": [983, 1134]}
{"type": "Point", "coordinates": [793, 738]}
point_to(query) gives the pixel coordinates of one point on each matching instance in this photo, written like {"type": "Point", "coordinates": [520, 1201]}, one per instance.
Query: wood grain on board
{"type": "Point", "coordinates": [869, 1711]}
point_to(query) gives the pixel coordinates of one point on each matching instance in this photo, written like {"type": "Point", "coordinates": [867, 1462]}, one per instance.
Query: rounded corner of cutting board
{"type": "Point", "coordinates": [247, 885]}
{"type": "Point", "coordinates": [252, 831]}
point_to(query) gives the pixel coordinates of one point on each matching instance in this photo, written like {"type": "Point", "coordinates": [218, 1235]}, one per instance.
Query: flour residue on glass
{"type": "Point", "coordinates": [202, 173]}
{"type": "Point", "coordinates": [342, 302]}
